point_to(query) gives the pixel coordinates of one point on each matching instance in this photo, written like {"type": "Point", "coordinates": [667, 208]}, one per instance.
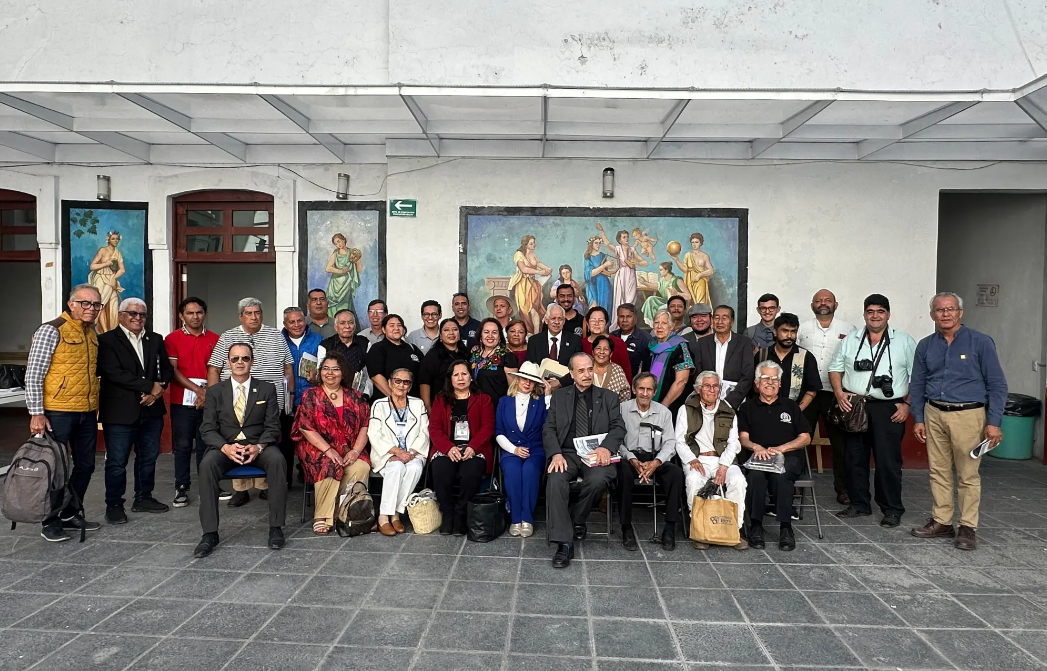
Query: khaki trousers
{"type": "Point", "coordinates": [328, 490]}
{"type": "Point", "coordinates": [950, 438]}
{"type": "Point", "coordinates": [243, 484]}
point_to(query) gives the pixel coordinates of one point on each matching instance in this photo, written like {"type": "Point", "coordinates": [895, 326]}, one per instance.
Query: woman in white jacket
{"type": "Point", "coordinates": [399, 436]}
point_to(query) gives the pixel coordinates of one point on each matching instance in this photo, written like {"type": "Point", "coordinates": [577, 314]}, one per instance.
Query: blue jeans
{"type": "Point", "coordinates": [185, 440]}
{"type": "Point", "coordinates": [78, 430]}
{"type": "Point", "coordinates": [144, 436]}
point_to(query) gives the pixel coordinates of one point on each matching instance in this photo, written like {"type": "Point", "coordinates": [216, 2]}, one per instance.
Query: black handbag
{"type": "Point", "coordinates": [856, 420]}
{"type": "Point", "coordinates": [12, 376]}
{"type": "Point", "coordinates": [485, 516]}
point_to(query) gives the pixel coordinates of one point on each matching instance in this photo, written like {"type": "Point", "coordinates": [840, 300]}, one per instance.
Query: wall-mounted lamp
{"type": "Point", "coordinates": [343, 187]}
{"type": "Point", "coordinates": [103, 187]}
{"type": "Point", "coordinates": [608, 182]}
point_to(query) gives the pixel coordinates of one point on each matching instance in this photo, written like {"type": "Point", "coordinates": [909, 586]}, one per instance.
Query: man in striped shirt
{"type": "Point", "coordinates": [272, 363]}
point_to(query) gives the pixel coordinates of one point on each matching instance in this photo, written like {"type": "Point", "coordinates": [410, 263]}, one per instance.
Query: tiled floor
{"type": "Point", "coordinates": [864, 598]}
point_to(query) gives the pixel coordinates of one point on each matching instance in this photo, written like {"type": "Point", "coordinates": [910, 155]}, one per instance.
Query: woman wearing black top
{"type": "Point", "coordinates": [390, 354]}
{"type": "Point", "coordinates": [491, 361]}
{"type": "Point", "coordinates": [436, 362]}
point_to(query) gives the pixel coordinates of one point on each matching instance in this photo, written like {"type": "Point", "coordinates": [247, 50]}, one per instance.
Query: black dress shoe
{"type": "Point", "coordinates": [459, 526]}
{"type": "Point", "coordinates": [629, 539]}
{"type": "Point", "coordinates": [564, 555]}
{"type": "Point", "coordinates": [756, 538]}
{"type": "Point", "coordinates": [115, 515]}
{"type": "Point", "coordinates": [851, 511]}
{"type": "Point", "coordinates": [891, 521]}
{"type": "Point", "coordinates": [580, 531]}
{"type": "Point", "coordinates": [206, 545]}
{"type": "Point", "coordinates": [669, 537]}
{"type": "Point", "coordinates": [446, 524]}
{"type": "Point", "coordinates": [276, 538]}
{"type": "Point", "coordinates": [147, 504]}
{"type": "Point", "coordinates": [239, 499]}
{"type": "Point", "coordinates": [76, 523]}
{"type": "Point", "coordinates": [786, 540]}
{"type": "Point", "coordinates": [263, 494]}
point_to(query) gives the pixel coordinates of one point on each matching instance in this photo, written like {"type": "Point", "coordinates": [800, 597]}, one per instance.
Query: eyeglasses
{"type": "Point", "coordinates": [135, 315]}
{"type": "Point", "coordinates": [237, 359]}
{"type": "Point", "coordinates": [376, 312]}
{"type": "Point", "coordinates": [431, 315]}
{"type": "Point", "coordinates": [331, 369]}
{"type": "Point", "coordinates": [400, 381]}
{"type": "Point", "coordinates": [769, 378]}
{"type": "Point", "coordinates": [711, 387]}
{"type": "Point", "coordinates": [945, 311]}
{"type": "Point", "coordinates": [769, 308]}
{"type": "Point", "coordinates": [88, 305]}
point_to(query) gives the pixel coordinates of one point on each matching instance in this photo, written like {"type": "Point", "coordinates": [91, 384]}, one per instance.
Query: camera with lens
{"type": "Point", "coordinates": [864, 366]}
{"type": "Point", "coordinates": [884, 383]}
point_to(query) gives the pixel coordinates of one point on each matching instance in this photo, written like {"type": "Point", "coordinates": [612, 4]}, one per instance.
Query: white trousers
{"type": "Point", "coordinates": [735, 484]}
{"type": "Point", "coordinates": [398, 483]}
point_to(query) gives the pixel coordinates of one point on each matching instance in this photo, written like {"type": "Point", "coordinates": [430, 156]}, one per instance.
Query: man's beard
{"type": "Point", "coordinates": [822, 310]}
{"type": "Point", "coordinates": [785, 344]}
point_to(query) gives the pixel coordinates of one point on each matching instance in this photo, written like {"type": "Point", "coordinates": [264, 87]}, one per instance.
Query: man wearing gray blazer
{"type": "Point", "coordinates": [576, 411]}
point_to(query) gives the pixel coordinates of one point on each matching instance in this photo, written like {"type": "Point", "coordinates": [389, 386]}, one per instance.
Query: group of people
{"type": "Point", "coordinates": [462, 400]}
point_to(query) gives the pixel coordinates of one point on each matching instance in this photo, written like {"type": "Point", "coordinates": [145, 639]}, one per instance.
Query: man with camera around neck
{"type": "Point", "coordinates": [876, 362]}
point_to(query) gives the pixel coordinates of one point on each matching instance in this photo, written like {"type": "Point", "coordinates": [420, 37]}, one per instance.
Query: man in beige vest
{"type": "Point", "coordinates": [707, 444]}
{"type": "Point", "coordinates": [61, 393]}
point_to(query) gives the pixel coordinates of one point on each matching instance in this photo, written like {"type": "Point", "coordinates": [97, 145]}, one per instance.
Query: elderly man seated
{"type": "Point", "coordinates": [770, 427]}
{"type": "Point", "coordinates": [241, 426]}
{"type": "Point", "coordinates": [648, 447]}
{"type": "Point", "coordinates": [707, 441]}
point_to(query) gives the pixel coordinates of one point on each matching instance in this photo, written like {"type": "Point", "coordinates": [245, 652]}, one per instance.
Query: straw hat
{"type": "Point", "coordinates": [492, 299]}
{"type": "Point", "coordinates": [530, 371]}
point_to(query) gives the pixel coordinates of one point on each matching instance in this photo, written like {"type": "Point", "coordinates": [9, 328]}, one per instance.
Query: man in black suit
{"type": "Point", "coordinates": [554, 343]}
{"type": "Point", "coordinates": [576, 411]}
{"type": "Point", "coordinates": [729, 354]}
{"type": "Point", "coordinates": [241, 426]}
{"type": "Point", "coordinates": [135, 369]}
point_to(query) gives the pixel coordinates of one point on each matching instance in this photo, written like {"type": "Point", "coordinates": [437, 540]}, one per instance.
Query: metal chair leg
{"type": "Point", "coordinates": [307, 493]}
{"type": "Point", "coordinates": [817, 516]}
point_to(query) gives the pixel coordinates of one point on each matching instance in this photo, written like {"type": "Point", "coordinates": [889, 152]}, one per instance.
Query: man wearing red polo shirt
{"type": "Point", "coordinates": [189, 348]}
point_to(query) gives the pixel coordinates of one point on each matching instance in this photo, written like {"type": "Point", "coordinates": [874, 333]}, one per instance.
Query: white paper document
{"type": "Point", "coordinates": [188, 395]}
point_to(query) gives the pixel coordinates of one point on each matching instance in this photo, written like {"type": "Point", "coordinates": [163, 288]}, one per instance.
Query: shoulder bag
{"type": "Point", "coordinates": [856, 420]}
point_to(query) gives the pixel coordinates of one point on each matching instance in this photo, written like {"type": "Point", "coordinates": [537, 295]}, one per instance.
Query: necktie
{"type": "Point", "coordinates": [554, 351]}
{"type": "Point", "coordinates": [581, 417]}
{"type": "Point", "coordinates": [241, 404]}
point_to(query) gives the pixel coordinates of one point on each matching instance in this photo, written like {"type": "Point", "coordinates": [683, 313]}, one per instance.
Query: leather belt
{"type": "Point", "coordinates": [955, 407]}
{"type": "Point", "coordinates": [707, 454]}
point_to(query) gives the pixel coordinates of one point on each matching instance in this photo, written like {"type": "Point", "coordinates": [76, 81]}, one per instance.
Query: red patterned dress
{"type": "Point", "coordinates": [317, 413]}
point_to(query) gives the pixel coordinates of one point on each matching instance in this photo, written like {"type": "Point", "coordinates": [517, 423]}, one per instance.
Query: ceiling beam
{"type": "Point", "coordinates": [545, 123]}
{"type": "Point", "coordinates": [667, 125]}
{"type": "Point", "coordinates": [867, 148]}
{"type": "Point", "coordinates": [28, 145]}
{"type": "Point", "coordinates": [329, 141]}
{"type": "Point", "coordinates": [423, 122]}
{"type": "Point", "coordinates": [789, 125]}
{"type": "Point", "coordinates": [1033, 111]}
{"type": "Point", "coordinates": [118, 141]}
{"type": "Point", "coordinates": [229, 145]}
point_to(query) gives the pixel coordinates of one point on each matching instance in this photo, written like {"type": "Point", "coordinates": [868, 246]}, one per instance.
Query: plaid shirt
{"type": "Point", "coordinates": [45, 340]}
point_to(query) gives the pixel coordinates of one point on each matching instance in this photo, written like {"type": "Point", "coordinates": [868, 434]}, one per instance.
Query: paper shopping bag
{"type": "Point", "coordinates": [714, 521]}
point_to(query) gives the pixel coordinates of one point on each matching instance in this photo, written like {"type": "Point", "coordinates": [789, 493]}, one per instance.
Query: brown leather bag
{"type": "Point", "coordinates": [856, 420]}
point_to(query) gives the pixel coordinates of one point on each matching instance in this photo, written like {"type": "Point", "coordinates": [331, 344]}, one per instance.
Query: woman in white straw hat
{"type": "Point", "coordinates": [518, 430]}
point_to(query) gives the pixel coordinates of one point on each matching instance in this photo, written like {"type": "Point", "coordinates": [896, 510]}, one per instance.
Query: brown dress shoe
{"type": "Point", "coordinates": [698, 545]}
{"type": "Point", "coordinates": [398, 526]}
{"type": "Point", "coordinates": [934, 530]}
{"type": "Point", "coordinates": [843, 499]}
{"type": "Point", "coordinates": [965, 538]}
{"type": "Point", "coordinates": [387, 529]}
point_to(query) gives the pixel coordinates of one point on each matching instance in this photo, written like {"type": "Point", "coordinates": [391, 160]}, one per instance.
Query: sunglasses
{"type": "Point", "coordinates": [401, 382]}
{"type": "Point", "coordinates": [135, 315]}
{"type": "Point", "coordinates": [238, 359]}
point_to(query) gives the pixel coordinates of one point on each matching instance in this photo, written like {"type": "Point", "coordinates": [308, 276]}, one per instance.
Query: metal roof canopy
{"type": "Point", "coordinates": [235, 124]}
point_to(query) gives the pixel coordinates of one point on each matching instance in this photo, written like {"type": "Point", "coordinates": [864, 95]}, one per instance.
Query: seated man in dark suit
{"type": "Point", "coordinates": [575, 411]}
{"type": "Point", "coordinates": [554, 342]}
{"type": "Point", "coordinates": [241, 425]}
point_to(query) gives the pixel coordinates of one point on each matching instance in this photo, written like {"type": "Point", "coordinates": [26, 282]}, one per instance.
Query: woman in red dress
{"type": "Point", "coordinates": [330, 435]}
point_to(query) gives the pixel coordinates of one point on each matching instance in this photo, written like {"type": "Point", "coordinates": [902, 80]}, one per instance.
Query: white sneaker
{"type": "Point", "coordinates": [514, 529]}
{"type": "Point", "coordinates": [526, 529]}
{"type": "Point", "coordinates": [224, 495]}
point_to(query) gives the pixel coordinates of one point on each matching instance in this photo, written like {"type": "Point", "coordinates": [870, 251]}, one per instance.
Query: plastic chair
{"type": "Point", "coordinates": [576, 487]}
{"type": "Point", "coordinates": [243, 472]}
{"type": "Point", "coordinates": [803, 484]}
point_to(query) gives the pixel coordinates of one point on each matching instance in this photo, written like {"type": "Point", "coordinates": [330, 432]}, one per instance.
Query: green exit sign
{"type": "Point", "coordinates": [402, 207]}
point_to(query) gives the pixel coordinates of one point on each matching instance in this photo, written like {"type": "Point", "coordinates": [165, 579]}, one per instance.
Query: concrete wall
{"type": "Point", "coordinates": [960, 44]}
{"type": "Point", "coordinates": [21, 283]}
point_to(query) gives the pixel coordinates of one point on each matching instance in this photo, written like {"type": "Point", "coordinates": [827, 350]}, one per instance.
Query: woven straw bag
{"type": "Point", "coordinates": [424, 512]}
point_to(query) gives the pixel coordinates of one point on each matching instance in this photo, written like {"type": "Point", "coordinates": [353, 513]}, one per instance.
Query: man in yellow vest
{"type": "Point", "coordinates": [61, 393]}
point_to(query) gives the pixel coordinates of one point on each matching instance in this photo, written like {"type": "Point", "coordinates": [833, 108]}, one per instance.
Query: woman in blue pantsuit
{"type": "Point", "coordinates": [518, 431]}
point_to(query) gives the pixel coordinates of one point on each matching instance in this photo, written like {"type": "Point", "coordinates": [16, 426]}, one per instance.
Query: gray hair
{"type": "Point", "coordinates": [627, 306]}
{"type": "Point", "coordinates": [81, 287]}
{"type": "Point", "coordinates": [705, 374]}
{"type": "Point", "coordinates": [248, 303]}
{"type": "Point", "coordinates": [769, 364]}
{"type": "Point", "coordinates": [946, 294]}
{"type": "Point", "coordinates": [576, 355]}
{"type": "Point", "coordinates": [402, 370]}
{"type": "Point", "coordinates": [554, 306]}
{"type": "Point", "coordinates": [128, 302]}
{"type": "Point", "coordinates": [287, 311]}
{"type": "Point", "coordinates": [640, 377]}
{"type": "Point", "coordinates": [661, 312]}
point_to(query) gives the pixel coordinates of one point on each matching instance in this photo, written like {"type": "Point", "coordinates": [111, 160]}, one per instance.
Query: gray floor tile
{"type": "Point", "coordinates": [376, 543]}
{"type": "Point", "coordinates": [727, 643]}
{"type": "Point", "coordinates": [1004, 611]}
{"type": "Point", "coordinates": [432, 544]}
{"type": "Point", "coordinates": [517, 662]}
{"type": "Point", "coordinates": [980, 650]}
{"type": "Point", "coordinates": [634, 638]}
{"type": "Point", "coordinates": [369, 565]}
{"type": "Point", "coordinates": [73, 613]}
{"type": "Point", "coordinates": [618, 573]}
{"type": "Point", "coordinates": [263, 588]}
{"type": "Point", "coordinates": [386, 628]}
{"type": "Point", "coordinates": [541, 571]}
{"type": "Point", "coordinates": [805, 645]}
{"type": "Point", "coordinates": [176, 654]}
{"type": "Point", "coordinates": [170, 556]}
{"type": "Point", "coordinates": [467, 631]}
{"type": "Point", "coordinates": [22, 649]}
{"type": "Point", "coordinates": [323, 590]}
{"type": "Point", "coordinates": [638, 665]}
{"type": "Point", "coordinates": [891, 579]}
{"type": "Point", "coordinates": [434, 660]}
{"type": "Point", "coordinates": [497, 569]}
{"type": "Point", "coordinates": [1033, 642]}
{"type": "Point", "coordinates": [550, 636]}
{"type": "Point", "coordinates": [776, 606]}
{"type": "Point", "coordinates": [932, 610]}
{"type": "Point", "coordinates": [925, 553]}
{"type": "Point", "coordinates": [827, 578]}
{"type": "Point", "coordinates": [226, 620]}
{"type": "Point", "coordinates": [263, 656]}
{"type": "Point", "coordinates": [367, 659]}
{"type": "Point", "coordinates": [961, 580]}
{"type": "Point", "coordinates": [547, 600]}
{"type": "Point", "coordinates": [193, 584]}
{"type": "Point", "coordinates": [625, 602]}
{"type": "Point", "coordinates": [59, 579]}
{"type": "Point", "coordinates": [228, 558]}
{"type": "Point", "coordinates": [306, 624]}
{"type": "Point", "coordinates": [422, 567]}
{"type": "Point", "coordinates": [1023, 581]}
{"type": "Point", "coordinates": [704, 605]}
{"type": "Point", "coordinates": [854, 608]}
{"type": "Point", "coordinates": [15, 606]}
{"type": "Point", "coordinates": [108, 554]}
{"type": "Point", "coordinates": [506, 546]}
{"type": "Point", "coordinates": [110, 652]}
{"type": "Point", "coordinates": [126, 581]}
{"type": "Point", "coordinates": [805, 554]}
{"type": "Point", "coordinates": [478, 596]}
{"type": "Point", "coordinates": [412, 594]}
{"type": "Point", "coordinates": [895, 648]}
{"type": "Point", "coordinates": [859, 554]}
{"type": "Point", "coordinates": [753, 576]}
{"type": "Point", "coordinates": [615, 550]}
{"type": "Point", "coordinates": [150, 617]}
{"type": "Point", "coordinates": [685, 574]}
{"type": "Point", "coordinates": [293, 561]}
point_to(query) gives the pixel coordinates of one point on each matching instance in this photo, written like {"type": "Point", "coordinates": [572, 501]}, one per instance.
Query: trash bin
{"type": "Point", "coordinates": [1018, 426]}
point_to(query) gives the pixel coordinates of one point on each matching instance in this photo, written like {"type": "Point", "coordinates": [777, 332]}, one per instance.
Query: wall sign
{"type": "Point", "coordinates": [988, 296]}
{"type": "Point", "coordinates": [403, 207]}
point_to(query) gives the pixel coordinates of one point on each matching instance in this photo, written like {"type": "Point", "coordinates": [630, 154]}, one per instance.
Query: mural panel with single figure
{"type": "Point", "coordinates": [611, 256]}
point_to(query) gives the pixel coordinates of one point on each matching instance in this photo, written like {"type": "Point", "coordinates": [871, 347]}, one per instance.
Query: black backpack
{"type": "Point", "coordinates": [38, 483]}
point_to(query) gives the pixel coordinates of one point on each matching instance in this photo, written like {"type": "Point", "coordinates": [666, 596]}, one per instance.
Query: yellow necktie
{"type": "Point", "coordinates": [241, 404]}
